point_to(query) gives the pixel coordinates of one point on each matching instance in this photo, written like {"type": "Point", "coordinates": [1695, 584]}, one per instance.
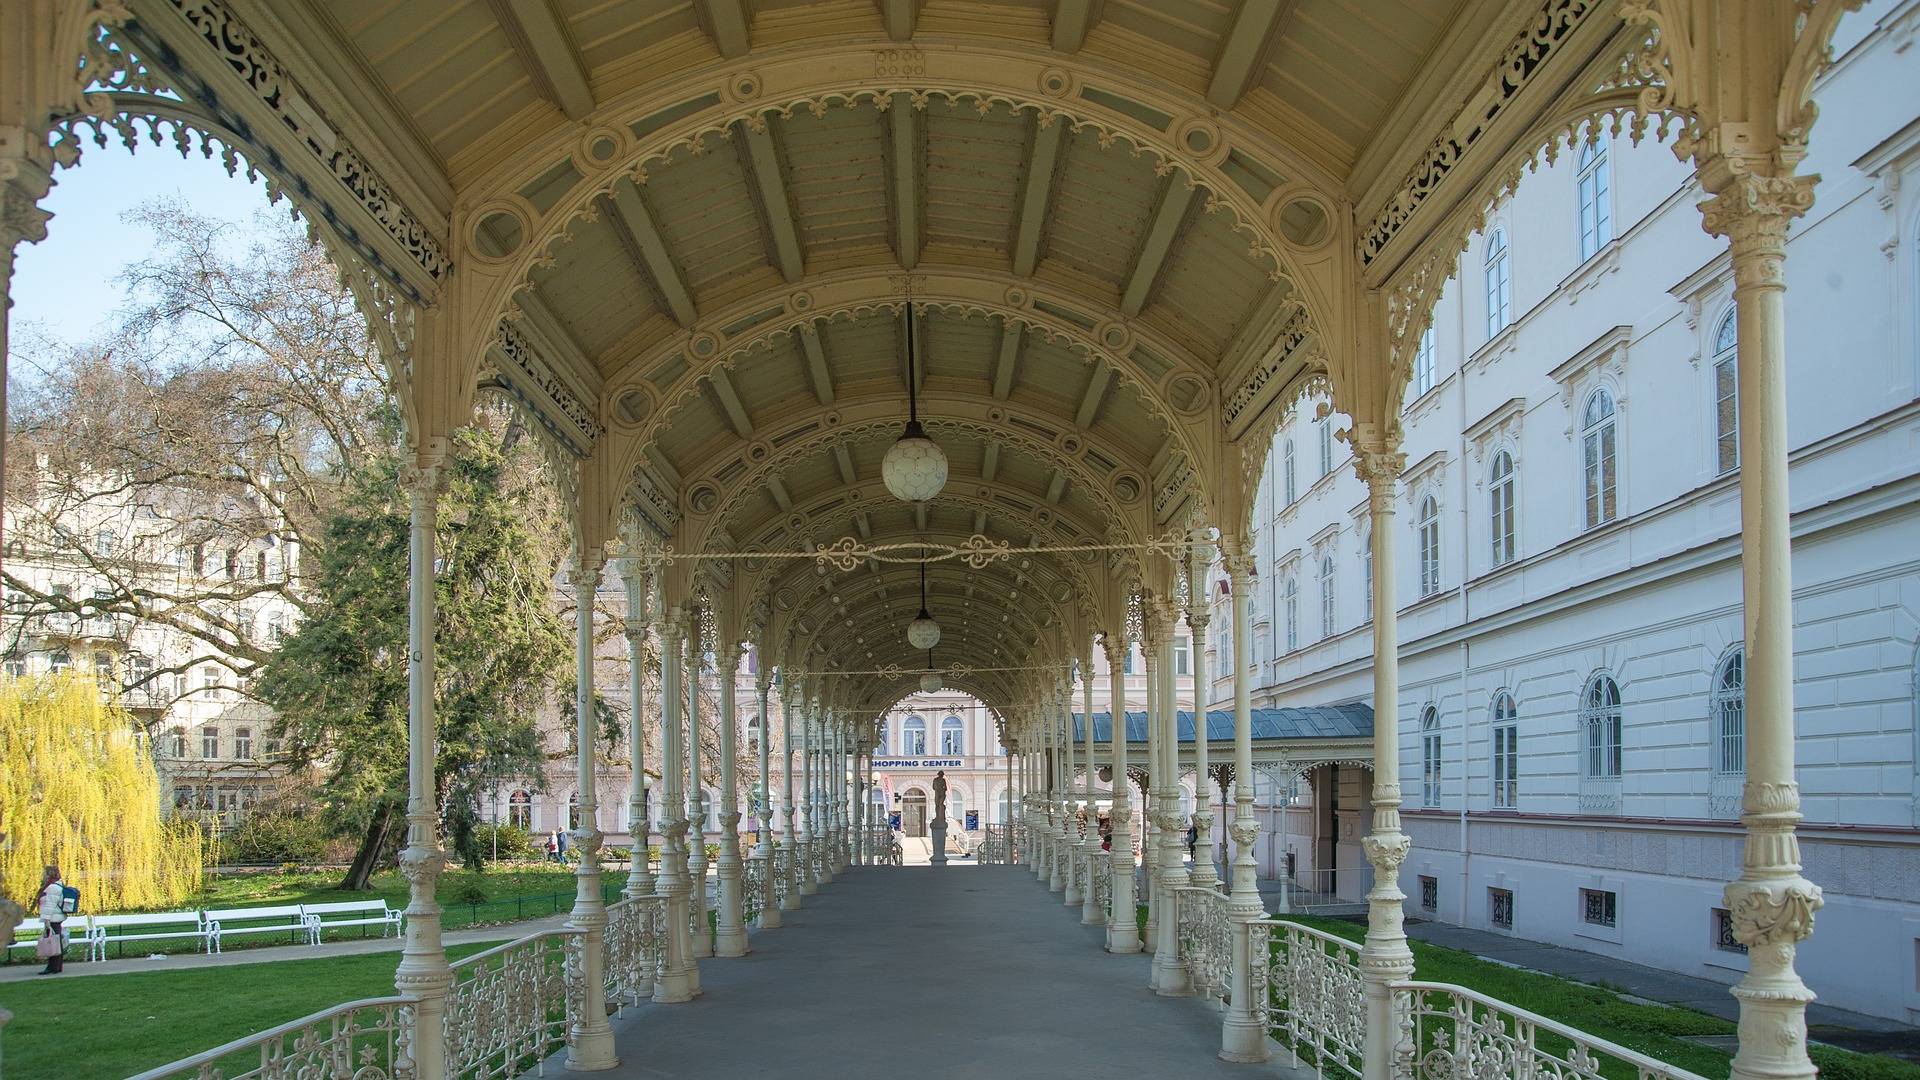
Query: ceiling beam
{"type": "Point", "coordinates": [990, 460]}
{"type": "Point", "coordinates": [634, 224]}
{"type": "Point", "coordinates": [1057, 486]}
{"type": "Point", "coordinates": [1007, 364]}
{"type": "Point", "coordinates": [843, 461]}
{"type": "Point", "coordinates": [899, 16]}
{"type": "Point", "coordinates": [817, 371]}
{"type": "Point", "coordinates": [863, 523]}
{"type": "Point", "coordinates": [1096, 392]}
{"type": "Point", "coordinates": [1161, 232]}
{"type": "Point", "coordinates": [1072, 20]}
{"type": "Point", "coordinates": [980, 522]}
{"type": "Point", "coordinates": [1036, 188]}
{"type": "Point", "coordinates": [1243, 47]}
{"type": "Point", "coordinates": [770, 183]}
{"type": "Point", "coordinates": [727, 23]}
{"type": "Point", "coordinates": [779, 492]}
{"type": "Point", "coordinates": [546, 51]}
{"type": "Point", "coordinates": [730, 403]}
{"type": "Point", "coordinates": [903, 127]}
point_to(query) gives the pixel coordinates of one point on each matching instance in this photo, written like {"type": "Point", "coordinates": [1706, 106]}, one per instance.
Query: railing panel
{"type": "Point", "coordinates": [1449, 1031]}
{"type": "Point", "coordinates": [509, 1006]}
{"type": "Point", "coordinates": [634, 942]}
{"type": "Point", "coordinates": [1206, 938]}
{"type": "Point", "coordinates": [1307, 990]}
{"type": "Point", "coordinates": [364, 1040]}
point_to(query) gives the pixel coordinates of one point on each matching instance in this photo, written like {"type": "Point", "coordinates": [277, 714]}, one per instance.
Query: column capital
{"type": "Point", "coordinates": [424, 473]}
{"type": "Point", "coordinates": [1752, 212]}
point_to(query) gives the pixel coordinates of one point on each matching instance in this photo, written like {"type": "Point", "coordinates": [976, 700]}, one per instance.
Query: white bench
{"type": "Point", "coordinates": [281, 919]}
{"type": "Point", "coordinates": [352, 913]}
{"type": "Point", "coordinates": [146, 926]}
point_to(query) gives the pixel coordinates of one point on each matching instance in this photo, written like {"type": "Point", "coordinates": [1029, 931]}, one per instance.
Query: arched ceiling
{"type": "Point", "coordinates": [681, 232]}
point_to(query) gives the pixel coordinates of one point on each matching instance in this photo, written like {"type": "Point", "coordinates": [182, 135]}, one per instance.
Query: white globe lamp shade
{"type": "Point", "coordinates": [930, 683]}
{"type": "Point", "coordinates": [923, 632]}
{"type": "Point", "coordinates": [915, 468]}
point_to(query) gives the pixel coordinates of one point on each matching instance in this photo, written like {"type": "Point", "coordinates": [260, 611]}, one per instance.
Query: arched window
{"type": "Point", "coordinates": [1286, 473]}
{"type": "Point", "coordinates": [573, 811]}
{"type": "Point", "coordinates": [1600, 728]}
{"type": "Point", "coordinates": [1292, 593]}
{"type": "Point", "coordinates": [1596, 202]}
{"type": "Point", "coordinates": [913, 737]}
{"type": "Point", "coordinates": [1726, 395]}
{"type": "Point", "coordinates": [1423, 364]}
{"type": "Point", "coordinates": [1500, 507]}
{"type": "Point", "coordinates": [1429, 536]}
{"type": "Point", "coordinates": [1326, 597]}
{"type": "Point", "coordinates": [953, 740]}
{"type": "Point", "coordinates": [1366, 572]}
{"type": "Point", "coordinates": [1506, 752]}
{"type": "Point", "coordinates": [1730, 715]}
{"type": "Point", "coordinates": [520, 810]}
{"type": "Point", "coordinates": [60, 661]}
{"type": "Point", "coordinates": [1430, 756]}
{"type": "Point", "coordinates": [1499, 284]}
{"type": "Point", "coordinates": [1599, 441]}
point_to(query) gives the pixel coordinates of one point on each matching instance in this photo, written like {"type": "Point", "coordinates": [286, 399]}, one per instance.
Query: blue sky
{"type": "Point", "coordinates": [66, 287]}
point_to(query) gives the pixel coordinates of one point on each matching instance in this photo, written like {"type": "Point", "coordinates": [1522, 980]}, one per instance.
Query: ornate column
{"type": "Point", "coordinates": [1771, 904]}
{"type": "Point", "coordinates": [1199, 614]}
{"type": "Point", "coordinates": [633, 574]}
{"type": "Point", "coordinates": [829, 810]}
{"type": "Point", "coordinates": [1123, 928]}
{"type": "Point", "coordinates": [809, 884]}
{"type": "Point", "coordinates": [790, 841]}
{"type": "Point", "coordinates": [1385, 958]}
{"type": "Point", "coordinates": [770, 891]}
{"type": "Point", "coordinates": [1242, 1035]}
{"type": "Point", "coordinates": [1069, 823]}
{"type": "Point", "coordinates": [1091, 912]}
{"type": "Point", "coordinates": [1058, 871]}
{"type": "Point", "coordinates": [1150, 790]}
{"type": "Point", "coordinates": [678, 978]}
{"type": "Point", "coordinates": [590, 1049]}
{"type": "Point", "coordinates": [730, 929]}
{"type": "Point", "coordinates": [1170, 975]}
{"type": "Point", "coordinates": [424, 973]}
{"type": "Point", "coordinates": [696, 796]}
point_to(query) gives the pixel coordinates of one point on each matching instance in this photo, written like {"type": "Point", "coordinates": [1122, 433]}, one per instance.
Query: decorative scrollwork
{"type": "Point", "coordinates": [1449, 1032]}
{"type": "Point", "coordinates": [509, 1005]}
{"type": "Point", "coordinates": [1315, 999]}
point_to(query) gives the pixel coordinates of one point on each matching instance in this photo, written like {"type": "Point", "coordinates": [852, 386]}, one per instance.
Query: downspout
{"type": "Point", "coordinates": [1466, 562]}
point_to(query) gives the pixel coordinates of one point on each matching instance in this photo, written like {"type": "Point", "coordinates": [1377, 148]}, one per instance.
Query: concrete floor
{"type": "Point", "coordinates": [930, 973]}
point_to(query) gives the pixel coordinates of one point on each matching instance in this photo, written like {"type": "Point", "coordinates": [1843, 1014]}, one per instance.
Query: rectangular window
{"type": "Point", "coordinates": [1506, 766]}
{"type": "Point", "coordinates": [1182, 649]}
{"type": "Point", "coordinates": [1723, 938]}
{"type": "Point", "coordinates": [1500, 908]}
{"type": "Point", "coordinates": [1429, 893]}
{"type": "Point", "coordinates": [1423, 364]}
{"type": "Point", "coordinates": [243, 743]}
{"type": "Point", "coordinates": [1286, 472]}
{"type": "Point", "coordinates": [1430, 556]}
{"type": "Point", "coordinates": [1599, 453]}
{"type": "Point", "coordinates": [1598, 907]}
{"type": "Point", "coordinates": [1726, 415]}
{"type": "Point", "coordinates": [1326, 447]}
{"type": "Point", "coordinates": [209, 742]}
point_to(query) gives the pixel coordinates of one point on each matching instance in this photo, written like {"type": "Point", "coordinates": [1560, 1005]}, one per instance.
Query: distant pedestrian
{"type": "Point", "coordinates": [52, 946]}
{"type": "Point", "coordinates": [1193, 839]}
{"type": "Point", "coordinates": [553, 847]}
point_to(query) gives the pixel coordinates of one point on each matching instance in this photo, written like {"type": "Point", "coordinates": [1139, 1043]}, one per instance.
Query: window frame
{"type": "Point", "coordinates": [1504, 723]}
{"type": "Point", "coordinates": [1498, 268]}
{"type": "Point", "coordinates": [958, 729]}
{"type": "Point", "coordinates": [1425, 362]}
{"type": "Point", "coordinates": [913, 725]}
{"type": "Point", "coordinates": [1431, 760]}
{"type": "Point", "coordinates": [1728, 699]}
{"type": "Point", "coordinates": [1602, 723]}
{"type": "Point", "coordinates": [1724, 372]}
{"type": "Point", "coordinates": [1593, 186]}
{"type": "Point", "coordinates": [1290, 596]}
{"type": "Point", "coordinates": [1427, 546]}
{"type": "Point", "coordinates": [1501, 508]}
{"type": "Point", "coordinates": [1328, 610]}
{"type": "Point", "coordinates": [1600, 457]}
{"type": "Point", "coordinates": [1288, 475]}
{"type": "Point", "coordinates": [209, 742]}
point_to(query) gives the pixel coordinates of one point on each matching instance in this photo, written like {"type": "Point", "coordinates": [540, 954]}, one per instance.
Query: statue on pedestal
{"type": "Point", "coordinates": [940, 818]}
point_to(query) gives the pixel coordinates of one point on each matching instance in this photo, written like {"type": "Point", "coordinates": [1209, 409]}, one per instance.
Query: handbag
{"type": "Point", "coordinates": [51, 944]}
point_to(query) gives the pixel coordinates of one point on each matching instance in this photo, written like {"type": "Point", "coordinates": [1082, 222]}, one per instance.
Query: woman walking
{"type": "Point", "coordinates": [52, 946]}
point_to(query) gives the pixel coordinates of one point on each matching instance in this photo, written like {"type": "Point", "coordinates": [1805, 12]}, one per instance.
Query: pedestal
{"type": "Point", "coordinates": [940, 844]}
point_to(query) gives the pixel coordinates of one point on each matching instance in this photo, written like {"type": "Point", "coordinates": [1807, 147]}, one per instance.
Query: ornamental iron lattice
{"type": "Point", "coordinates": [1307, 990]}
{"type": "Point", "coordinates": [634, 944]}
{"type": "Point", "coordinates": [1449, 1033]}
{"type": "Point", "coordinates": [1206, 940]}
{"type": "Point", "coordinates": [364, 1040]}
{"type": "Point", "coordinates": [509, 1005]}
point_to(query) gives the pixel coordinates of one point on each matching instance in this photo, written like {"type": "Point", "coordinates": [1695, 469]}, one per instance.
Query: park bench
{"type": "Point", "coordinates": [352, 913]}
{"type": "Point", "coordinates": [280, 919]}
{"type": "Point", "coordinates": [147, 926]}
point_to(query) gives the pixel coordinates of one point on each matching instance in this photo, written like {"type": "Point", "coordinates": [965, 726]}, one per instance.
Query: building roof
{"type": "Point", "coordinates": [1353, 720]}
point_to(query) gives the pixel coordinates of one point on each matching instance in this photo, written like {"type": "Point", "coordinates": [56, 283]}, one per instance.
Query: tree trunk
{"type": "Point", "coordinates": [360, 875]}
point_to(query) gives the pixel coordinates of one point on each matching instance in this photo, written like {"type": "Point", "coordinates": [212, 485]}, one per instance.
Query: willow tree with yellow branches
{"type": "Point", "coordinates": [78, 791]}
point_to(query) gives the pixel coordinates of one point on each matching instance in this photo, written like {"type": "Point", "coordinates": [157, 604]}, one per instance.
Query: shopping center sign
{"type": "Point", "coordinates": [918, 763]}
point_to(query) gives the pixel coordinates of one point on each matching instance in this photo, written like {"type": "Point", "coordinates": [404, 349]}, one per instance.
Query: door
{"type": "Point", "coordinates": [913, 813]}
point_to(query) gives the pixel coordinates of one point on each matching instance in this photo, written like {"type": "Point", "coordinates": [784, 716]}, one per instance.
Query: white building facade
{"type": "Point", "coordinates": [1571, 671]}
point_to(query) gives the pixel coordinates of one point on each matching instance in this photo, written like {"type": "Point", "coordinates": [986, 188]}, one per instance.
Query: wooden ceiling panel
{"type": "Point", "coordinates": [1209, 285]}
{"type": "Point", "coordinates": [974, 162]}
{"type": "Point", "coordinates": [837, 176]}
{"type": "Point", "coordinates": [1100, 210]}
{"type": "Point", "coordinates": [705, 212]}
{"type": "Point", "coordinates": [595, 289]}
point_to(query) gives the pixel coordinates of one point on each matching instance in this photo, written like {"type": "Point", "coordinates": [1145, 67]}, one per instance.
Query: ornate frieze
{"type": "Point", "coordinates": [533, 381]}
{"type": "Point", "coordinates": [1291, 334]}
{"type": "Point", "coordinates": [1523, 57]}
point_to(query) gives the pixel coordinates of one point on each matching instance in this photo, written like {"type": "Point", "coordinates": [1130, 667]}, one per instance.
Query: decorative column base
{"type": "Point", "coordinates": [769, 914]}
{"type": "Point", "coordinates": [789, 884]}
{"type": "Point", "coordinates": [939, 832]}
{"type": "Point", "coordinates": [1091, 912]}
{"type": "Point", "coordinates": [1243, 1038]}
{"type": "Point", "coordinates": [803, 870]}
{"type": "Point", "coordinates": [730, 932]}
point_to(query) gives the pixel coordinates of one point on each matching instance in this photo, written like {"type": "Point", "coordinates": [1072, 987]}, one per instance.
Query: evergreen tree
{"type": "Point", "coordinates": [339, 682]}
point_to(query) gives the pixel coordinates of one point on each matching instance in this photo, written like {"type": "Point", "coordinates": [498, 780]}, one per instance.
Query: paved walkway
{"type": "Point", "coordinates": [27, 968]}
{"type": "Point", "coordinates": [932, 973]}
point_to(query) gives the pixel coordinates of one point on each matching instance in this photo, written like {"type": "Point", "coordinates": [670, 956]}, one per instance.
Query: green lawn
{"type": "Point", "coordinates": [1654, 1030]}
{"type": "Point", "coordinates": [115, 1025]}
